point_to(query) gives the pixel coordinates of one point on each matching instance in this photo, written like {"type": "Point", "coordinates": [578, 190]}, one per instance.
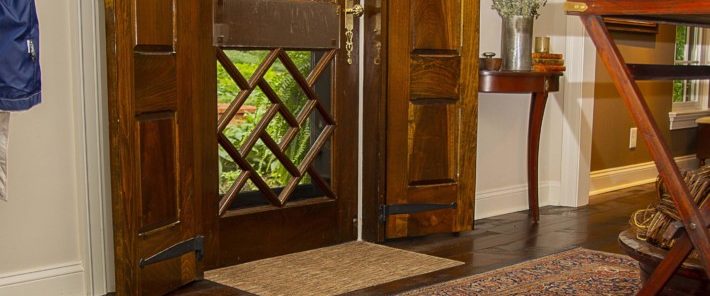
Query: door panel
{"type": "Point", "coordinates": [157, 51]}
{"type": "Point", "coordinates": [431, 112]}
{"type": "Point", "coordinates": [286, 130]}
{"type": "Point", "coordinates": [159, 199]}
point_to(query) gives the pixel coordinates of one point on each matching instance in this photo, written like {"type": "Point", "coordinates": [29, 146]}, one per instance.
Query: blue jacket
{"type": "Point", "coordinates": [20, 83]}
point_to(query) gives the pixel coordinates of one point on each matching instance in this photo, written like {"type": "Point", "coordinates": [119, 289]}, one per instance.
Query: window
{"type": "Point", "coordinates": [690, 97]}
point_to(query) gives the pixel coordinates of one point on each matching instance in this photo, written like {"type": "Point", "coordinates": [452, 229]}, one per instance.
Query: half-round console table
{"type": "Point", "coordinates": [539, 84]}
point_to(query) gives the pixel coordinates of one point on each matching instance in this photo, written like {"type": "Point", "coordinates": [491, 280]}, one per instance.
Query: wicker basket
{"type": "Point", "coordinates": [651, 224]}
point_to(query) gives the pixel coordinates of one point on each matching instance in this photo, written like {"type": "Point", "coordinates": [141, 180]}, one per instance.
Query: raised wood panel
{"type": "Point", "coordinates": [154, 23]}
{"type": "Point", "coordinates": [158, 171]}
{"type": "Point", "coordinates": [433, 143]}
{"type": "Point", "coordinates": [435, 77]}
{"type": "Point", "coordinates": [426, 222]}
{"type": "Point", "coordinates": [436, 24]}
{"type": "Point", "coordinates": [155, 82]}
{"type": "Point", "coordinates": [434, 221]}
{"type": "Point", "coordinates": [268, 23]}
{"type": "Point", "coordinates": [304, 226]}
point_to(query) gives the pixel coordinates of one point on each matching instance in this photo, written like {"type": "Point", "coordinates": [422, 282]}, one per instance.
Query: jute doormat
{"type": "Point", "coordinates": [328, 271]}
{"type": "Point", "coordinates": [574, 272]}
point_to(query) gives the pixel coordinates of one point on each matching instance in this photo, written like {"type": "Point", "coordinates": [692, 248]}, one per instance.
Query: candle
{"type": "Point", "coordinates": [542, 44]}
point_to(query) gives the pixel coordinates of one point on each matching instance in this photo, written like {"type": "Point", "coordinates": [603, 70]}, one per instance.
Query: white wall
{"type": "Point", "coordinates": [503, 126]}
{"type": "Point", "coordinates": [43, 225]}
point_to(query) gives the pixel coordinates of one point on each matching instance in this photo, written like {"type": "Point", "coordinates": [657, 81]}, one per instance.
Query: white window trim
{"type": "Point", "coordinates": [685, 114]}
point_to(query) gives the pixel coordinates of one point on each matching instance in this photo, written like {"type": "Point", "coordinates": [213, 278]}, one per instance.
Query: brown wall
{"type": "Point", "coordinates": [610, 136]}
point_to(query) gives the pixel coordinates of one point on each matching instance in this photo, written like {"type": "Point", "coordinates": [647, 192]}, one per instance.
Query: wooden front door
{"type": "Point", "coordinates": [160, 64]}
{"type": "Point", "coordinates": [285, 136]}
{"type": "Point", "coordinates": [431, 116]}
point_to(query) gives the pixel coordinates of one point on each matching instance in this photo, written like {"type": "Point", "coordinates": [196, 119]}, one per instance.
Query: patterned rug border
{"type": "Point", "coordinates": [515, 266]}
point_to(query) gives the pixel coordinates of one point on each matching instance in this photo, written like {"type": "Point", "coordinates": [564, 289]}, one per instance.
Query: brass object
{"type": "Point", "coordinates": [351, 12]}
{"type": "Point", "coordinates": [571, 6]}
{"type": "Point", "coordinates": [542, 44]}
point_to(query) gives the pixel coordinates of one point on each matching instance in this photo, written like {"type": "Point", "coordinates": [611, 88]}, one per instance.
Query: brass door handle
{"type": "Point", "coordinates": [351, 12]}
{"type": "Point", "coordinates": [356, 10]}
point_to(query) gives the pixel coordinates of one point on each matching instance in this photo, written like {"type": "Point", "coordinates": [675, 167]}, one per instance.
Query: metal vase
{"type": "Point", "coordinates": [516, 44]}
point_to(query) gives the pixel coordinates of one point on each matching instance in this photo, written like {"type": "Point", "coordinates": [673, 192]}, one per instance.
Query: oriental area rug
{"type": "Point", "coordinates": [328, 271]}
{"type": "Point", "coordinates": [575, 272]}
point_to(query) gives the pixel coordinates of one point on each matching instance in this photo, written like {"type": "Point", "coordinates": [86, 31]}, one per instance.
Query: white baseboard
{"type": "Point", "coordinates": [511, 199]}
{"type": "Point", "coordinates": [60, 279]}
{"type": "Point", "coordinates": [613, 179]}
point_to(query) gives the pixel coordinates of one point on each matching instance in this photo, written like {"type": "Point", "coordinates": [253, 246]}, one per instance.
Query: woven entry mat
{"type": "Point", "coordinates": [328, 271]}
{"type": "Point", "coordinates": [574, 272]}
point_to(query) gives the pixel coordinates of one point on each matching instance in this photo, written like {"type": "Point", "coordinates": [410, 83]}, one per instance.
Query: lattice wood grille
{"type": "Point", "coordinates": [295, 121]}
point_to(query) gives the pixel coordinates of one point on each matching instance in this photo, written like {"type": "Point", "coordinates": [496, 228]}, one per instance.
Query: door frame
{"type": "Point", "coordinates": [96, 223]}
{"type": "Point", "coordinates": [374, 119]}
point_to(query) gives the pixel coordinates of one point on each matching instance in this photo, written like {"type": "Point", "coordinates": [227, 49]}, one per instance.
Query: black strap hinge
{"type": "Point", "coordinates": [398, 209]}
{"type": "Point", "coordinates": [195, 244]}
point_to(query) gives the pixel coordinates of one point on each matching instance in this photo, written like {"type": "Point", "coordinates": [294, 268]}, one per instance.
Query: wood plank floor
{"type": "Point", "coordinates": [508, 239]}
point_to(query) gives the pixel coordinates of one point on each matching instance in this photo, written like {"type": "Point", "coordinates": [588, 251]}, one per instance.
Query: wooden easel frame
{"type": "Point", "coordinates": [694, 234]}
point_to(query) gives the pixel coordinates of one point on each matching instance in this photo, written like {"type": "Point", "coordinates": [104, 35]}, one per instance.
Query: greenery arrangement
{"type": "Point", "coordinates": [260, 157]}
{"type": "Point", "coordinates": [507, 8]}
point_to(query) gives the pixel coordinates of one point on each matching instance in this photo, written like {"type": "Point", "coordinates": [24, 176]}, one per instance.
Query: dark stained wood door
{"type": "Point", "coordinates": [261, 45]}
{"type": "Point", "coordinates": [431, 116]}
{"type": "Point", "coordinates": [160, 75]}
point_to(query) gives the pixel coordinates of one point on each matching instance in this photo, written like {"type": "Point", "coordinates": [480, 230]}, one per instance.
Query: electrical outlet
{"type": "Point", "coordinates": [633, 139]}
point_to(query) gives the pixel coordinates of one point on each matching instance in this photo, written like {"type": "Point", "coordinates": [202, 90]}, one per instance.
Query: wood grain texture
{"type": "Point", "coordinates": [435, 77]}
{"type": "Point", "coordinates": [518, 82]}
{"type": "Point", "coordinates": [374, 126]}
{"type": "Point", "coordinates": [158, 172]}
{"type": "Point", "coordinates": [250, 23]}
{"type": "Point", "coordinates": [155, 82]}
{"type": "Point", "coordinates": [154, 23]}
{"type": "Point", "coordinates": [288, 226]}
{"type": "Point", "coordinates": [432, 146]}
{"type": "Point", "coordinates": [436, 25]}
{"type": "Point", "coordinates": [431, 106]}
{"type": "Point", "coordinates": [273, 232]}
{"type": "Point", "coordinates": [469, 116]}
{"type": "Point", "coordinates": [153, 114]}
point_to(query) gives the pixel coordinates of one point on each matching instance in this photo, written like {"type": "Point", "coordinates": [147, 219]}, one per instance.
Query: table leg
{"type": "Point", "coordinates": [537, 110]}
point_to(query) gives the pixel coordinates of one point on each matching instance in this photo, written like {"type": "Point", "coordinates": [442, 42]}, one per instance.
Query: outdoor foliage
{"type": "Point", "coordinates": [261, 158]}
{"type": "Point", "coordinates": [681, 41]}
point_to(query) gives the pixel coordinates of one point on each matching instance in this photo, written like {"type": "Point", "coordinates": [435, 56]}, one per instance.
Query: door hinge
{"type": "Point", "coordinates": [398, 209]}
{"type": "Point", "coordinates": [195, 244]}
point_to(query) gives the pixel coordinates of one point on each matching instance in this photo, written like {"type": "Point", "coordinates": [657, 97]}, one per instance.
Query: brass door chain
{"type": "Point", "coordinates": [353, 11]}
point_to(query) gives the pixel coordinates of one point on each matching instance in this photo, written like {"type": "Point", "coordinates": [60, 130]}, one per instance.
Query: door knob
{"type": "Point", "coordinates": [356, 10]}
{"type": "Point", "coordinates": [351, 12]}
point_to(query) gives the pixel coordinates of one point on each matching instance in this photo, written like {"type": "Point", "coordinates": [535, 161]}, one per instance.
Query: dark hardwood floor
{"type": "Point", "coordinates": [505, 240]}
